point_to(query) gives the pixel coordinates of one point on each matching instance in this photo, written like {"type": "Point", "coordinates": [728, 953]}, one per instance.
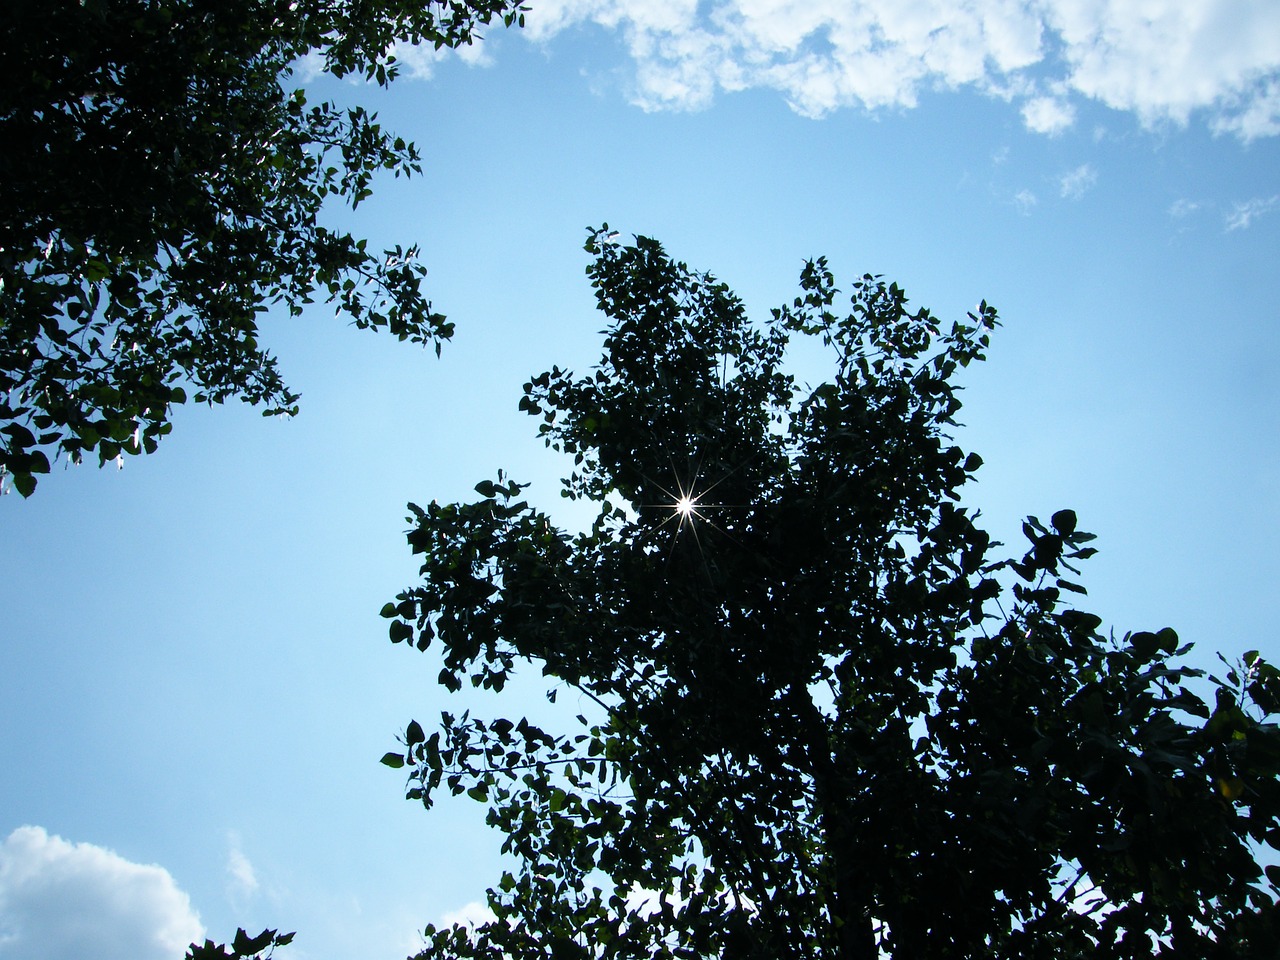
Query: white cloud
{"type": "Point", "coordinates": [67, 901]}
{"type": "Point", "coordinates": [415, 61]}
{"type": "Point", "coordinates": [1051, 115]}
{"type": "Point", "coordinates": [243, 880]}
{"type": "Point", "coordinates": [1258, 117]}
{"type": "Point", "coordinates": [308, 67]}
{"type": "Point", "coordinates": [1182, 208]}
{"type": "Point", "coordinates": [1243, 214]}
{"type": "Point", "coordinates": [1076, 183]}
{"type": "Point", "coordinates": [1161, 60]}
{"type": "Point", "coordinates": [1024, 200]}
{"type": "Point", "coordinates": [418, 61]}
{"type": "Point", "coordinates": [547, 18]}
{"type": "Point", "coordinates": [1164, 59]}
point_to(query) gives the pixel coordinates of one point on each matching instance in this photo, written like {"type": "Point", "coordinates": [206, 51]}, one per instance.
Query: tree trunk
{"type": "Point", "coordinates": [851, 901]}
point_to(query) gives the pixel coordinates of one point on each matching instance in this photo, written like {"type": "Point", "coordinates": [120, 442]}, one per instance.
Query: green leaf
{"type": "Point", "coordinates": [21, 436]}
{"type": "Point", "coordinates": [1077, 621]}
{"type": "Point", "coordinates": [1146, 644]}
{"type": "Point", "coordinates": [95, 270]}
{"type": "Point", "coordinates": [414, 734]}
{"type": "Point", "coordinates": [1264, 688]}
{"type": "Point", "coordinates": [1064, 521]}
{"type": "Point", "coordinates": [246, 945]}
{"type": "Point", "coordinates": [393, 760]}
{"type": "Point", "coordinates": [1231, 788]}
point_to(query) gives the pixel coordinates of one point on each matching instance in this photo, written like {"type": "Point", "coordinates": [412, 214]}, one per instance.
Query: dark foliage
{"type": "Point", "coordinates": [243, 947]}
{"type": "Point", "coordinates": [831, 719]}
{"type": "Point", "coordinates": [161, 186]}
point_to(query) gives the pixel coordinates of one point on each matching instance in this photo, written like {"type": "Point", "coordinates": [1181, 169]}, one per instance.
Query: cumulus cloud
{"type": "Point", "coordinates": [66, 901]}
{"type": "Point", "coordinates": [1259, 116]}
{"type": "Point", "coordinates": [1243, 214]}
{"type": "Point", "coordinates": [1076, 183]}
{"type": "Point", "coordinates": [1050, 115]}
{"type": "Point", "coordinates": [1162, 60]}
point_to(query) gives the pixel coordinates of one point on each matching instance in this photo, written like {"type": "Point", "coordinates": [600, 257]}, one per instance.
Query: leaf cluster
{"type": "Point", "coordinates": [830, 718]}
{"type": "Point", "coordinates": [243, 947]}
{"type": "Point", "coordinates": [161, 186]}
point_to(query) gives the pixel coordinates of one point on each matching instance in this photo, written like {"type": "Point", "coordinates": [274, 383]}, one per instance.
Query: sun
{"type": "Point", "coordinates": [687, 508]}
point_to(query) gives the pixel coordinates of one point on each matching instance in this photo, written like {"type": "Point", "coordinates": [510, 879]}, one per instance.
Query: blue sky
{"type": "Point", "coordinates": [195, 686]}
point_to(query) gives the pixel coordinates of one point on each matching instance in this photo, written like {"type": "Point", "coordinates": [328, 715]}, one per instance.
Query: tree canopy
{"type": "Point", "coordinates": [828, 716]}
{"type": "Point", "coordinates": [161, 185]}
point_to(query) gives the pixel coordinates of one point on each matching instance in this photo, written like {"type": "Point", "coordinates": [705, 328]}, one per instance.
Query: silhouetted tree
{"type": "Point", "coordinates": [161, 185]}
{"type": "Point", "coordinates": [830, 720]}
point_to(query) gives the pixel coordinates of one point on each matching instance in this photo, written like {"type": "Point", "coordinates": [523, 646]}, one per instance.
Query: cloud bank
{"type": "Point", "coordinates": [68, 901]}
{"type": "Point", "coordinates": [1163, 61]}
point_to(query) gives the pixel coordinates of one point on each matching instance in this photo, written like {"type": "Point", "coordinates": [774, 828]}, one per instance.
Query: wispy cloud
{"type": "Point", "coordinates": [66, 901]}
{"type": "Point", "coordinates": [1243, 214]}
{"type": "Point", "coordinates": [1076, 183]}
{"type": "Point", "coordinates": [1182, 208]}
{"type": "Point", "coordinates": [1025, 201]}
{"type": "Point", "coordinates": [1162, 61]}
{"type": "Point", "coordinates": [242, 879]}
